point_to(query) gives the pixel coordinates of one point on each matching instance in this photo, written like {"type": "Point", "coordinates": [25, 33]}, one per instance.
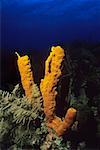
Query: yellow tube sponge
{"type": "Point", "coordinates": [51, 78]}
{"type": "Point", "coordinates": [27, 80]}
{"type": "Point", "coordinates": [48, 89]}
{"type": "Point", "coordinates": [67, 122]}
{"type": "Point", "coordinates": [62, 126]}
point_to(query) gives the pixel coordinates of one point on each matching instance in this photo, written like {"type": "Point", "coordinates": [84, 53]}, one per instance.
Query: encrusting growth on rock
{"type": "Point", "coordinates": [26, 74]}
{"type": "Point", "coordinates": [48, 89]}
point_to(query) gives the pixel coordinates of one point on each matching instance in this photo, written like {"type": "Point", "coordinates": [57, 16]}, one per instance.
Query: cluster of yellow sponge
{"type": "Point", "coordinates": [48, 87]}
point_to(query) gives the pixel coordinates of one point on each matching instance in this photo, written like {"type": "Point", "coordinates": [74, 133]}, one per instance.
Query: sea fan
{"type": "Point", "coordinates": [21, 120]}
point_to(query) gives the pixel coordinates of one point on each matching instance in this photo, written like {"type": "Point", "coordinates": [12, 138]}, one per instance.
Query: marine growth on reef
{"type": "Point", "coordinates": [48, 87]}
{"type": "Point", "coordinates": [26, 74]}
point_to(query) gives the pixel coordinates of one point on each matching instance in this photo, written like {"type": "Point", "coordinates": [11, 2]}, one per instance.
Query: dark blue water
{"type": "Point", "coordinates": [28, 24]}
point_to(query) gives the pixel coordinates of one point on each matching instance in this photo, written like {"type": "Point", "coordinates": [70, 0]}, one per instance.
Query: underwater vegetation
{"type": "Point", "coordinates": [60, 112]}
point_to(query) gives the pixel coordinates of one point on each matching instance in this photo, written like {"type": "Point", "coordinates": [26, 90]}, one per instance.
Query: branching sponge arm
{"type": "Point", "coordinates": [67, 122]}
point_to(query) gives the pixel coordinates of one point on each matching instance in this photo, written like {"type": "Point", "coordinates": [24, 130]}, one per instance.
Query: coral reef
{"type": "Point", "coordinates": [27, 119]}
